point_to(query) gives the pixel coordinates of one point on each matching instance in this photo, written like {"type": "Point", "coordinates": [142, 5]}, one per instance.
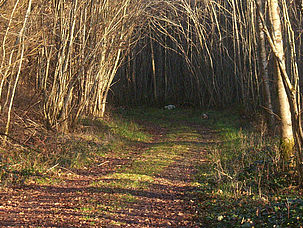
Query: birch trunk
{"type": "Point", "coordinates": [287, 140]}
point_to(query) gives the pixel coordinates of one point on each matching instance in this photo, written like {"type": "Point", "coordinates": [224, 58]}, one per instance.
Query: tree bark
{"type": "Point", "coordinates": [287, 137]}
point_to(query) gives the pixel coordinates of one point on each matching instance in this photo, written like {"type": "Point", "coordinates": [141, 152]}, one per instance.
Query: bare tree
{"type": "Point", "coordinates": [81, 54]}
{"type": "Point", "coordinates": [290, 102]}
{"type": "Point", "coordinates": [287, 131]}
{"type": "Point", "coordinates": [11, 65]}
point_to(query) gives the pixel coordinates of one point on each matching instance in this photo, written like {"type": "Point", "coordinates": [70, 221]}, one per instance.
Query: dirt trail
{"type": "Point", "coordinates": [118, 192]}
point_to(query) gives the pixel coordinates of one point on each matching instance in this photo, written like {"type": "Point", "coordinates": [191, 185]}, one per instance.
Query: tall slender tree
{"type": "Point", "coordinates": [286, 118]}
{"type": "Point", "coordinates": [264, 66]}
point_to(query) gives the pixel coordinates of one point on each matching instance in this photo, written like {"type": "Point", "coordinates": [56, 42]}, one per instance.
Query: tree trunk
{"type": "Point", "coordinates": [264, 70]}
{"type": "Point", "coordinates": [153, 68]}
{"type": "Point", "coordinates": [287, 139]}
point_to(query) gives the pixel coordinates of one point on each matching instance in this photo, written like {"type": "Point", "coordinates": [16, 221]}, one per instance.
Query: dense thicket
{"type": "Point", "coordinates": [206, 53]}
{"type": "Point", "coordinates": [66, 53]}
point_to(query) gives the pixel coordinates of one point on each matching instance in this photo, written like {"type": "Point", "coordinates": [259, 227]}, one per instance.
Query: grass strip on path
{"type": "Point", "coordinates": [152, 180]}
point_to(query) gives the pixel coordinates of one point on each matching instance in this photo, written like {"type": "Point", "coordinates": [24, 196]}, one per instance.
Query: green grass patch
{"type": "Point", "coordinates": [128, 129]}
{"type": "Point", "coordinates": [154, 160]}
{"type": "Point", "coordinates": [124, 181]}
{"type": "Point", "coordinates": [164, 118]}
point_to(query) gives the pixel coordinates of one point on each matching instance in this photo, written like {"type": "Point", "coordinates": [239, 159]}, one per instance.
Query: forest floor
{"type": "Point", "coordinates": [147, 182]}
{"type": "Point", "coordinates": [150, 168]}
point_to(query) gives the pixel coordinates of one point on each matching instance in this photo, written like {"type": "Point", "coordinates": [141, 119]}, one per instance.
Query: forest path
{"type": "Point", "coordinates": [149, 185]}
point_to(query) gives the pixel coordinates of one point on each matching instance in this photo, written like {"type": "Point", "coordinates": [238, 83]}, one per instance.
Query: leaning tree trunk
{"type": "Point", "coordinates": [287, 139]}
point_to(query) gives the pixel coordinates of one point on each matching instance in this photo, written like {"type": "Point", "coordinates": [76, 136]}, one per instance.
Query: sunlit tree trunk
{"type": "Point", "coordinates": [286, 120]}
{"type": "Point", "coordinates": [153, 68]}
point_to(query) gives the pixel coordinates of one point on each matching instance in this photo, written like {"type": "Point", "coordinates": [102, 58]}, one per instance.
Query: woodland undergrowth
{"type": "Point", "coordinates": [48, 156]}
{"type": "Point", "coordinates": [246, 184]}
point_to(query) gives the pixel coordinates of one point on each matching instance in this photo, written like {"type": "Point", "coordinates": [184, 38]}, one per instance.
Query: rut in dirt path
{"type": "Point", "coordinates": [152, 187]}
